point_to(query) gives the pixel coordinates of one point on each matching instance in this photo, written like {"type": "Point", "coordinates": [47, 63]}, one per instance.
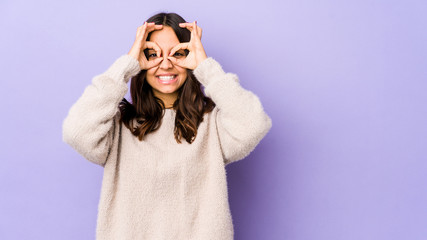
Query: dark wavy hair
{"type": "Point", "coordinates": [148, 110]}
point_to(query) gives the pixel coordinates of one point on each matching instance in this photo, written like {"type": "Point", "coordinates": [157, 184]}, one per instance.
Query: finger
{"type": "Point", "coordinates": [140, 31]}
{"type": "Point", "coordinates": [173, 60]}
{"type": "Point", "coordinates": [187, 25]}
{"type": "Point", "coordinates": [158, 27]}
{"type": "Point", "coordinates": [144, 31]}
{"type": "Point", "coordinates": [176, 62]}
{"type": "Point", "coordinates": [149, 27]}
{"type": "Point", "coordinates": [153, 63]}
{"type": "Point", "coordinates": [153, 45]}
{"type": "Point", "coordinates": [199, 31]}
{"type": "Point", "coordinates": [193, 28]}
{"type": "Point", "coordinates": [153, 27]}
{"type": "Point", "coordinates": [194, 32]}
{"type": "Point", "coordinates": [179, 47]}
{"type": "Point", "coordinates": [184, 24]}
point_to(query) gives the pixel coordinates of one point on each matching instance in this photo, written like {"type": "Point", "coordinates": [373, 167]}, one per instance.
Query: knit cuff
{"type": "Point", "coordinates": [123, 68]}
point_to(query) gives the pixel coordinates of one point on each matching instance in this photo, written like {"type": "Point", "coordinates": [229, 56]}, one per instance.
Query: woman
{"type": "Point", "coordinates": [164, 155]}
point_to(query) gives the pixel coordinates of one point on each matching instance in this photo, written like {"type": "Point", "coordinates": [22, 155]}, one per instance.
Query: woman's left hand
{"type": "Point", "coordinates": [196, 51]}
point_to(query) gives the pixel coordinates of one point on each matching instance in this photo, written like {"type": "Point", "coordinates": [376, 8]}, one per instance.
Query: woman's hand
{"type": "Point", "coordinates": [197, 53]}
{"type": "Point", "coordinates": [140, 44]}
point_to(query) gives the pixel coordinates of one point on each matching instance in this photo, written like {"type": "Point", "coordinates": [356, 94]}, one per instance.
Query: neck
{"type": "Point", "coordinates": [167, 98]}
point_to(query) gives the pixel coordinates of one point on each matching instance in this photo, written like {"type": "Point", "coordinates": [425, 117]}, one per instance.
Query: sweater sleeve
{"type": "Point", "coordinates": [241, 120]}
{"type": "Point", "coordinates": [89, 126]}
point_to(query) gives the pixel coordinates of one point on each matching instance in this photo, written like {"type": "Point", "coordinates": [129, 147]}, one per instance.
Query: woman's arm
{"type": "Point", "coordinates": [241, 120]}
{"type": "Point", "coordinates": [89, 126]}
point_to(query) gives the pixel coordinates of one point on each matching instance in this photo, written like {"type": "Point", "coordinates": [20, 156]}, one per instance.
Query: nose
{"type": "Point", "coordinates": [166, 63]}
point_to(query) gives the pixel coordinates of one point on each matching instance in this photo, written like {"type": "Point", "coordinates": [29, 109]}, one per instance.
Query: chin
{"type": "Point", "coordinates": [167, 90]}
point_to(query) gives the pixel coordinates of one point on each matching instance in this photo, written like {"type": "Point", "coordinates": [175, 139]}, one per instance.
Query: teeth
{"type": "Point", "coordinates": [167, 77]}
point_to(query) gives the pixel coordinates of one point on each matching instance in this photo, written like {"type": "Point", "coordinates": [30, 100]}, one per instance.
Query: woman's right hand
{"type": "Point", "coordinates": [140, 44]}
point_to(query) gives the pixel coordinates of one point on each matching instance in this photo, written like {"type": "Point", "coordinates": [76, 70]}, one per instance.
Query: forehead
{"type": "Point", "coordinates": [165, 38]}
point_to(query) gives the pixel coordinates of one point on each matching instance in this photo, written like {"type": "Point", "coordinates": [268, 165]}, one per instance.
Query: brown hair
{"type": "Point", "coordinates": [148, 110]}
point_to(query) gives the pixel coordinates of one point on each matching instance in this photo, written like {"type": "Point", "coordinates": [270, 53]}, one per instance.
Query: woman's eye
{"type": "Point", "coordinates": [153, 55]}
{"type": "Point", "coordinates": [178, 54]}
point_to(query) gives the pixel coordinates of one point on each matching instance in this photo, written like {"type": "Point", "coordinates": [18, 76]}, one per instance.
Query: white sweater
{"type": "Point", "coordinates": [156, 188]}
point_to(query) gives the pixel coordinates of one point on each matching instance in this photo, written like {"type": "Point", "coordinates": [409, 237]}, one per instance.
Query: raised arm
{"type": "Point", "coordinates": [241, 120]}
{"type": "Point", "coordinates": [240, 117]}
{"type": "Point", "coordinates": [91, 122]}
{"type": "Point", "coordinates": [89, 126]}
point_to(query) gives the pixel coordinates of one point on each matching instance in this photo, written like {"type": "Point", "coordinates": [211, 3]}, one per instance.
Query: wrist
{"type": "Point", "coordinates": [132, 54]}
{"type": "Point", "coordinates": [208, 70]}
{"type": "Point", "coordinates": [135, 51]}
{"type": "Point", "coordinates": [201, 58]}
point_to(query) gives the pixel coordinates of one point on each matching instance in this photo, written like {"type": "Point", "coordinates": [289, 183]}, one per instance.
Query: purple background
{"type": "Point", "coordinates": [344, 83]}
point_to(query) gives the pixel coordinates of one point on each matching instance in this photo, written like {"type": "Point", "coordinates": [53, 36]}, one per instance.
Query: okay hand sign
{"type": "Point", "coordinates": [140, 44]}
{"type": "Point", "coordinates": [196, 51]}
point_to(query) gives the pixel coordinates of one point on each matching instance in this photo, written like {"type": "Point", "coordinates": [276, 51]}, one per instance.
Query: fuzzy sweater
{"type": "Point", "coordinates": [157, 189]}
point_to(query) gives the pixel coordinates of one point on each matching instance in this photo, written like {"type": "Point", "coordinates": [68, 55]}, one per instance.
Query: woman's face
{"type": "Point", "coordinates": [165, 78]}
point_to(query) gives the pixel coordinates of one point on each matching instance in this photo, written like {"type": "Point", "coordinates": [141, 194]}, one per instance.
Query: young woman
{"type": "Point", "coordinates": [164, 154]}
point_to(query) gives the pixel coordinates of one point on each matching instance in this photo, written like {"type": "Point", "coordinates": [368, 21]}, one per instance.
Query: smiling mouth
{"type": "Point", "coordinates": [167, 79]}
